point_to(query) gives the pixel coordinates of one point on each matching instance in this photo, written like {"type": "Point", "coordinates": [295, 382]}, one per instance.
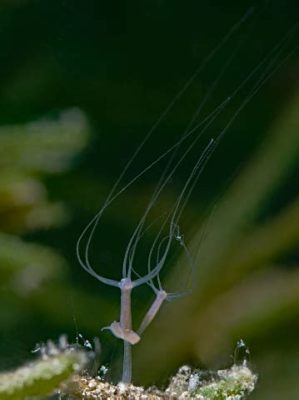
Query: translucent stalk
{"type": "Point", "coordinates": [126, 325]}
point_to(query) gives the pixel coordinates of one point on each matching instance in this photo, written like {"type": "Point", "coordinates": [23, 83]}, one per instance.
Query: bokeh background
{"type": "Point", "coordinates": [81, 83]}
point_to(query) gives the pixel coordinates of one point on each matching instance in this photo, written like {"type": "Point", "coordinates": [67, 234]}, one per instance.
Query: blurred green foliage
{"type": "Point", "coordinates": [41, 378]}
{"type": "Point", "coordinates": [117, 66]}
{"type": "Point", "coordinates": [28, 153]}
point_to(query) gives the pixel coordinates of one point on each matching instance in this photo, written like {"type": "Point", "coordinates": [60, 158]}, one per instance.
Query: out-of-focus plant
{"type": "Point", "coordinates": [29, 153]}
{"type": "Point", "coordinates": [40, 378]}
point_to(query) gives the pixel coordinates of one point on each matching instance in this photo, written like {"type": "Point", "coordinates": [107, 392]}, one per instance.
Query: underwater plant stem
{"type": "Point", "coordinates": [126, 325]}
